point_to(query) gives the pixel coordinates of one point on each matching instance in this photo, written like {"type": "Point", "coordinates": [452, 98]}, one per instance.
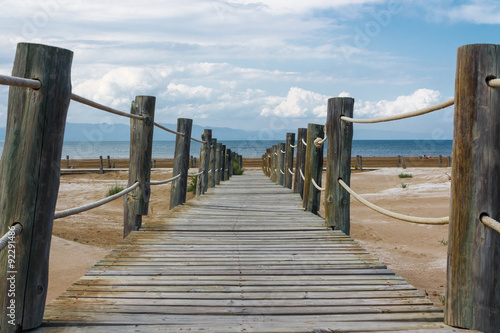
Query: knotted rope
{"type": "Point", "coordinates": [10, 235]}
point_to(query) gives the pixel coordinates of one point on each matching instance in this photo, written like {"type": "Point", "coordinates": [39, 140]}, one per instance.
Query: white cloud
{"type": "Point", "coordinates": [183, 91]}
{"type": "Point", "coordinates": [477, 11]}
{"type": "Point", "coordinates": [299, 103]}
{"type": "Point", "coordinates": [419, 99]}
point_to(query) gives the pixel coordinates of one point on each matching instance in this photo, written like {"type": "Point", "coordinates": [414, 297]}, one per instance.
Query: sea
{"type": "Point", "coordinates": [251, 149]}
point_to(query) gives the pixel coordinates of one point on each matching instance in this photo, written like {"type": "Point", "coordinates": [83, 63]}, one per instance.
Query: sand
{"type": "Point", "coordinates": [416, 252]}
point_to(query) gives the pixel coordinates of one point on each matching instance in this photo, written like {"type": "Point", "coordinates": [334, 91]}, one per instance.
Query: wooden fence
{"type": "Point", "coordinates": [30, 170]}
{"type": "Point", "coordinates": [473, 291]}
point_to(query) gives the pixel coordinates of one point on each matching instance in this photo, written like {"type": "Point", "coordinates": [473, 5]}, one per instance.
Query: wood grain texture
{"type": "Point", "coordinates": [228, 163]}
{"type": "Point", "coordinates": [181, 163]}
{"type": "Point", "coordinates": [136, 203]}
{"type": "Point", "coordinates": [339, 133]}
{"type": "Point", "coordinates": [290, 141]}
{"type": "Point", "coordinates": [202, 182]}
{"type": "Point", "coordinates": [300, 163]}
{"type": "Point", "coordinates": [274, 164]}
{"type": "Point", "coordinates": [212, 175]}
{"type": "Point", "coordinates": [313, 169]}
{"type": "Point", "coordinates": [473, 292]}
{"type": "Point", "coordinates": [29, 173]}
{"type": "Point", "coordinates": [272, 268]}
{"type": "Point", "coordinates": [280, 164]}
{"type": "Point", "coordinates": [223, 163]}
{"type": "Point", "coordinates": [218, 163]}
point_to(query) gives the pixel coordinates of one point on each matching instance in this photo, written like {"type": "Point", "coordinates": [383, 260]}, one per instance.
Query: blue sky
{"type": "Point", "coordinates": [257, 65]}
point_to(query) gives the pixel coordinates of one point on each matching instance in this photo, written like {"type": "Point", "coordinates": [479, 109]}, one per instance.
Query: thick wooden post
{"type": "Point", "coordinates": [281, 164]}
{"type": "Point", "coordinates": [218, 163]}
{"type": "Point", "coordinates": [274, 164]}
{"type": "Point", "coordinates": [101, 165]}
{"type": "Point", "coordinates": [231, 163]}
{"type": "Point", "coordinates": [29, 172]}
{"type": "Point", "coordinates": [440, 161]}
{"type": "Point", "coordinates": [300, 163]}
{"type": "Point", "coordinates": [290, 141]}
{"type": "Point", "coordinates": [240, 158]}
{"type": "Point", "coordinates": [338, 163]}
{"type": "Point", "coordinates": [67, 161]}
{"type": "Point", "coordinates": [109, 161]}
{"type": "Point", "coordinates": [473, 289]}
{"type": "Point", "coordinates": [228, 164]}
{"type": "Point", "coordinates": [181, 162]}
{"type": "Point", "coordinates": [213, 152]}
{"type": "Point", "coordinates": [202, 183]}
{"type": "Point", "coordinates": [360, 163]}
{"type": "Point", "coordinates": [136, 203]}
{"type": "Point", "coordinates": [313, 169]}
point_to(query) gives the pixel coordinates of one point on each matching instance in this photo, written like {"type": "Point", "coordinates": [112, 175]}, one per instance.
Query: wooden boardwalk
{"type": "Point", "coordinates": [243, 258]}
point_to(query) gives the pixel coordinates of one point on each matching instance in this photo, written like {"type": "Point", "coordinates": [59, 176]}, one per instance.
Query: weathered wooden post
{"type": "Point", "coordinates": [403, 162]}
{"type": "Point", "coordinates": [290, 141]}
{"type": "Point", "coordinates": [473, 291]}
{"type": "Point", "coordinates": [136, 203]}
{"type": "Point", "coordinates": [440, 161]}
{"type": "Point", "coordinates": [280, 165]}
{"type": "Point", "coordinates": [300, 163]}
{"type": "Point", "coordinates": [101, 165]}
{"type": "Point", "coordinates": [222, 162]}
{"type": "Point", "coordinates": [29, 171]}
{"type": "Point", "coordinates": [274, 164]}
{"type": "Point", "coordinates": [449, 161]}
{"type": "Point", "coordinates": [228, 164]}
{"type": "Point", "coordinates": [313, 169]}
{"type": "Point", "coordinates": [213, 152]}
{"type": "Point", "coordinates": [202, 183]}
{"type": "Point", "coordinates": [109, 161]}
{"type": "Point", "coordinates": [399, 161]}
{"type": "Point", "coordinates": [181, 162]}
{"type": "Point", "coordinates": [218, 163]}
{"type": "Point", "coordinates": [360, 163]}
{"type": "Point", "coordinates": [240, 165]}
{"type": "Point", "coordinates": [268, 161]}
{"type": "Point", "coordinates": [154, 164]}
{"type": "Point", "coordinates": [67, 161]}
{"type": "Point", "coordinates": [338, 159]}
{"type": "Point", "coordinates": [231, 164]}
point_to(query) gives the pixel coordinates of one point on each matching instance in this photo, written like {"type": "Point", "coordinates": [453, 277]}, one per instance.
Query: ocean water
{"type": "Point", "coordinates": [165, 149]}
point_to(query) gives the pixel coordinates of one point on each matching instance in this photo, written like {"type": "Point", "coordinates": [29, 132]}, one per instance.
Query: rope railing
{"type": "Point", "coordinates": [6, 80]}
{"type": "Point", "coordinates": [492, 223]}
{"type": "Point", "coordinates": [197, 174]}
{"type": "Point", "coordinates": [10, 235]}
{"type": "Point", "coordinates": [494, 83]}
{"type": "Point", "coordinates": [302, 174]}
{"type": "Point", "coordinates": [102, 107]}
{"type": "Point", "coordinates": [161, 182]}
{"type": "Point", "coordinates": [167, 129]}
{"type": "Point", "coordinates": [304, 143]}
{"type": "Point", "coordinates": [318, 142]}
{"type": "Point", "coordinates": [93, 205]}
{"type": "Point", "coordinates": [283, 152]}
{"type": "Point", "coordinates": [290, 171]}
{"type": "Point", "coordinates": [416, 113]}
{"type": "Point", "coordinates": [202, 142]}
{"type": "Point", "coordinates": [281, 171]}
{"type": "Point", "coordinates": [319, 188]}
{"type": "Point", "coordinates": [406, 218]}
{"type": "Point", "coordinates": [292, 146]}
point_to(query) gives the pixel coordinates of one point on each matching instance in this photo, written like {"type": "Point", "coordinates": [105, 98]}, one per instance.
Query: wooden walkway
{"type": "Point", "coordinates": [243, 258]}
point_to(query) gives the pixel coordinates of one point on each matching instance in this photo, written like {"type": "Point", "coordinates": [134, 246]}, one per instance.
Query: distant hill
{"type": "Point", "coordinates": [120, 132]}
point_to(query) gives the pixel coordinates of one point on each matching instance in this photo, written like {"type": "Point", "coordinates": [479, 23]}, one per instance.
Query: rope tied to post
{"type": "Point", "coordinates": [304, 143]}
{"type": "Point", "coordinates": [281, 171]}
{"type": "Point", "coordinates": [318, 142]}
{"type": "Point", "coordinates": [402, 217]}
{"type": "Point", "coordinates": [290, 171]}
{"type": "Point", "coordinates": [10, 235]}
{"type": "Point", "coordinates": [416, 113]}
{"type": "Point", "coordinates": [494, 83]}
{"type": "Point", "coordinates": [291, 146]}
{"type": "Point", "coordinates": [6, 80]}
{"type": "Point", "coordinates": [283, 152]}
{"type": "Point", "coordinates": [161, 182]}
{"type": "Point", "coordinates": [96, 204]}
{"type": "Point", "coordinates": [317, 186]}
{"type": "Point", "coordinates": [302, 175]}
{"type": "Point", "coordinates": [492, 223]}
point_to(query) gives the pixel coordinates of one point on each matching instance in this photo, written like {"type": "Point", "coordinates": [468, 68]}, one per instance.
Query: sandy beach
{"type": "Point", "coordinates": [416, 252]}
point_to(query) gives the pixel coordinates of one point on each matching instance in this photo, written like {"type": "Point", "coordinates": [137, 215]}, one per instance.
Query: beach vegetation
{"type": "Point", "coordinates": [442, 299]}
{"type": "Point", "coordinates": [444, 242]}
{"type": "Point", "coordinates": [192, 184]}
{"type": "Point", "coordinates": [115, 188]}
{"type": "Point", "coordinates": [355, 166]}
{"type": "Point", "coordinates": [405, 175]}
{"type": "Point", "coordinates": [403, 185]}
{"type": "Point", "coordinates": [236, 169]}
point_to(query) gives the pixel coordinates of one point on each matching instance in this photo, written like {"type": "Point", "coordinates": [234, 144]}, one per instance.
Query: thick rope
{"type": "Point", "coordinates": [96, 105]}
{"type": "Point", "coordinates": [493, 224]}
{"type": "Point", "coordinates": [420, 112]}
{"type": "Point", "coordinates": [495, 83]}
{"type": "Point", "coordinates": [281, 171]}
{"type": "Point", "coordinates": [93, 205]}
{"type": "Point", "coordinates": [290, 171]}
{"type": "Point", "coordinates": [302, 175]}
{"type": "Point", "coordinates": [202, 142]}
{"type": "Point", "coordinates": [293, 146]}
{"type": "Point", "coordinates": [283, 152]}
{"type": "Point", "coordinates": [276, 154]}
{"type": "Point", "coordinates": [168, 130]}
{"type": "Point", "coordinates": [19, 82]}
{"type": "Point", "coordinates": [318, 142]}
{"type": "Point", "coordinates": [407, 218]}
{"type": "Point", "coordinates": [197, 174]}
{"type": "Point", "coordinates": [161, 182]}
{"type": "Point", "coordinates": [317, 186]}
{"type": "Point", "coordinates": [10, 235]}
{"type": "Point", "coordinates": [304, 143]}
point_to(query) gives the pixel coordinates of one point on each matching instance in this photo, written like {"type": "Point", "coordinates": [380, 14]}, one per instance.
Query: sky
{"type": "Point", "coordinates": [257, 65]}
